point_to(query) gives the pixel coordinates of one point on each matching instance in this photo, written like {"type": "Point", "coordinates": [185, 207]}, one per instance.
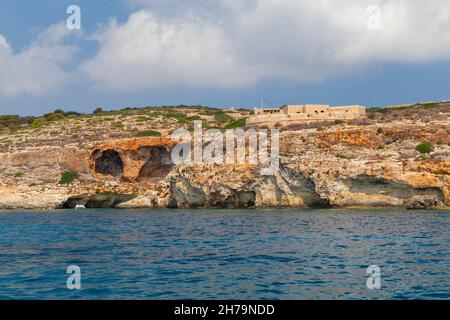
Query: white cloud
{"type": "Point", "coordinates": [146, 52]}
{"type": "Point", "coordinates": [222, 43]}
{"type": "Point", "coordinates": [38, 68]}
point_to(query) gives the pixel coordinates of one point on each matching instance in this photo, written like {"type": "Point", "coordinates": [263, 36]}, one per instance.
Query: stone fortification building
{"type": "Point", "coordinates": [291, 114]}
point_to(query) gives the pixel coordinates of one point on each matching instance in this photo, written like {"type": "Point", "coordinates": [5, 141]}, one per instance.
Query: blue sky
{"type": "Point", "coordinates": [168, 52]}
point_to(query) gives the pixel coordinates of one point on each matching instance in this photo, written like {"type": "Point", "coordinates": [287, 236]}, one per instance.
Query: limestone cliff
{"type": "Point", "coordinates": [374, 165]}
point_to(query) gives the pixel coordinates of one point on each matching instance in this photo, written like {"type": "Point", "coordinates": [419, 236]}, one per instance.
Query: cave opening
{"type": "Point", "coordinates": [157, 165]}
{"type": "Point", "coordinates": [108, 162]}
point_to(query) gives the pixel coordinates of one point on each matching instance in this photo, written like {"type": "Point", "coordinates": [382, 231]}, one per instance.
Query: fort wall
{"type": "Point", "coordinates": [291, 114]}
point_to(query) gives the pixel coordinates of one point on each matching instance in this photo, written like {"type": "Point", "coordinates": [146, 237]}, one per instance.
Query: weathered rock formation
{"type": "Point", "coordinates": [359, 166]}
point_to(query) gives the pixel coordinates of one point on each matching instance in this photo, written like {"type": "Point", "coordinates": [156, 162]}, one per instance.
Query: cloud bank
{"type": "Point", "coordinates": [234, 44]}
{"type": "Point", "coordinates": [38, 68]}
{"type": "Point", "coordinates": [146, 52]}
{"type": "Point", "coordinates": [223, 43]}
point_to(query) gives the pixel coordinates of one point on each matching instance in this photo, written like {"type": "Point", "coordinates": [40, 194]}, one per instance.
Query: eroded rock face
{"type": "Point", "coordinates": [133, 160]}
{"type": "Point", "coordinates": [359, 167]}
{"type": "Point", "coordinates": [422, 202]}
{"type": "Point", "coordinates": [97, 200]}
{"type": "Point", "coordinates": [352, 171]}
{"type": "Point", "coordinates": [140, 202]}
{"type": "Point", "coordinates": [108, 162]}
{"type": "Point", "coordinates": [190, 187]}
{"type": "Point", "coordinates": [157, 164]}
{"type": "Point", "coordinates": [209, 186]}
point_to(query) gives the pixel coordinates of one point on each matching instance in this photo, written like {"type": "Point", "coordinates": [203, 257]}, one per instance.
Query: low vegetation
{"type": "Point", "coordinates": [240, 123]}
{"type": "Point", "coordinates": [180, 117]}
{"type": "Point", "coordinates": [421, 111]}
{"type": "Point", "coordinates": [143, 118]}
{"type": "Point", "coordinates": [67, 177]}
{"type": "Point", "coordinates": [120, 119]}
{"type": "Point", "coordinates": [222, 118]}
{"type": "Point", "coordinates": [148, 133]}
{"type": "Point", "coordinates": [424, 148]}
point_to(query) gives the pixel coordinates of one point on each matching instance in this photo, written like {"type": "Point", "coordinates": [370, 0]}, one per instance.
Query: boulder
{"type": "Point", "coordinates": [140, 202]}
{"type": "Point", "coordinates": [421, 202]}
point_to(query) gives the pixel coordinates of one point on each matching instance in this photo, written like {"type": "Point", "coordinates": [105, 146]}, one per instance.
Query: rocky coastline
{"type": "Point", "coordinates": [343, 166]}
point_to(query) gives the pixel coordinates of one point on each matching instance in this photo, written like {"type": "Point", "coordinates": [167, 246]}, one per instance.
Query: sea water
{"type": "Point", "coordinates": [225, 254]}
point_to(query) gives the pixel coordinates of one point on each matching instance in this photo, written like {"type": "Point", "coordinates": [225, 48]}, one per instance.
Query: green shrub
{"type": "Point", "coordinates": [236, 124]}
{"type": "Point", "coordinates": [118, 125]}
{"type": "Point", "coordinates": [148, 133]}
{"type": "Point", "coordinates": [54, 116]}
{"type": "Point", "coordinates": [68, 177]}
{"type": "Point", "coordinates": [430, 105]}
{"type": "Point", "coordinates": [12, 128]}
{"type": "Point", "coordinates": [181, 117]}
{"type": "Point", "coordinates": [72, 114]}
{"type": "Point", "coordinates": [424, 148]}
{"type": "Point", "coordinates": [222, 118]}
{"type": "Point", "coordinates": [193, 118]}
{"type": "Point", "coordinates": [39, 123]}
{"type": "Point", "coordinates": [377, 109]}
{"type": "Point", "coordinates": [143, 118]}
{"type": "Point", "coordinates": [6, 120]}
{"type": "Point", "coordinates": [75, 136]}
{"type": "Point", "coordinates": [18, 175]}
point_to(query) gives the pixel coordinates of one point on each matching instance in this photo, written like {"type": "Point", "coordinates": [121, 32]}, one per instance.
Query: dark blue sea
{"type": "Point", "coordinates": [225, 254]}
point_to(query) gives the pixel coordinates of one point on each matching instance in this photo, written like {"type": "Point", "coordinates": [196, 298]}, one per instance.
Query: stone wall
{"type": "Point", "coordinates": [308, 113]}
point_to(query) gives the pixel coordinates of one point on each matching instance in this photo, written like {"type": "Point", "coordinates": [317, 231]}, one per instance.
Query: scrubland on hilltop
{"type": "Point", "coordinates": [396, 157]}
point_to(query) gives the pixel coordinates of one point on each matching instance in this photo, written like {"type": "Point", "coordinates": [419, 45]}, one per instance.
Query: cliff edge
{"type": "Point", "coordinates": [400, 161]}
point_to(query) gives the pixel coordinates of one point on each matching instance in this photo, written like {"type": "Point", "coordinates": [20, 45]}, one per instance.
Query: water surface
{"type": "Point", "coordinates": [225, 254]}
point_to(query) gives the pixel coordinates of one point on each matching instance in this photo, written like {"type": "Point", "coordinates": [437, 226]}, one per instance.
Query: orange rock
{"type": "Point", "coordinates": [134, 144]}
{"type": "Point", "coordinates": [422, 180]}
{"type": "Point", "coordinates": [355, 137]}
{"type": "Point", "coordinates": [127, 149]}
